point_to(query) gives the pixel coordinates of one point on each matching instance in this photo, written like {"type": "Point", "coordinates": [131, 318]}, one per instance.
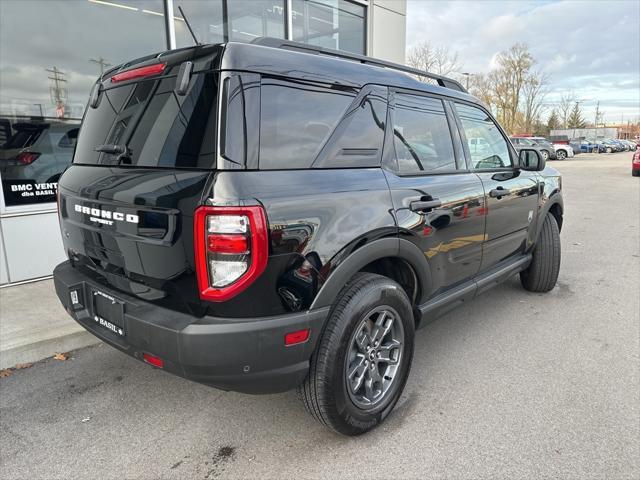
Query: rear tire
{"type": "Point", "coordinates": [561, 154]}
{"type": "Point", "coordinates": [545, 155]}
{"type": "Point", "coordinates": [609, 150]}
{"type": "Point", "coordinates": [542, 273]}
{"type": "Point", "coordinates": [347, 365]}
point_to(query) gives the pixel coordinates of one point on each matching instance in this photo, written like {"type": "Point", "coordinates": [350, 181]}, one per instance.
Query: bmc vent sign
{"type": "Point", "coordinates": [34, 154]}
{"type": "Point", "coordinates": [24, 192]}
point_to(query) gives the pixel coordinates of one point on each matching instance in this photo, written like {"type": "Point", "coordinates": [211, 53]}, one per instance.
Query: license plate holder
{"type": "Point", "coordinates": [108, 312]}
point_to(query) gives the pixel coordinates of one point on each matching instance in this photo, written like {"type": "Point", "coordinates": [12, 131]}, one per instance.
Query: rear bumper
{"type": "Point", "coordinates": [245, 355]}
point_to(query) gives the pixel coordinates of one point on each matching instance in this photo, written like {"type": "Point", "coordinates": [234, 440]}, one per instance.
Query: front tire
{"type": "Point", "coordinates": [545, 155]}
{"type": "Point", "coordinates": [542, 273]}
{"type": "Point", "coordinates": [561, 154]}
{"type": "Point", "coordinates": [363, 358]}
{"type": "Point", "coordinates": [609, 150]}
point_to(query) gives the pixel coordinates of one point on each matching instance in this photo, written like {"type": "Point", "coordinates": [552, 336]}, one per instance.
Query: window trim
{"type": "Point", "coordinates": [515, 165]}
{"type": "Point", "coordinates": [390, 157]}
{"type": "Point", "coordinates": [343, 124]}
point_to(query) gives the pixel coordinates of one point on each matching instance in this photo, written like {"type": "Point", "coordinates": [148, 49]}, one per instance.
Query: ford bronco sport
{"type": "Point", "coordinates": [260, 217]}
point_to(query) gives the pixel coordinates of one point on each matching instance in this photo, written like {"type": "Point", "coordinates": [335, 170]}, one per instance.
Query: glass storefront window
{"type": "Point", "coordinates": [336, 24]}
{"type": "Point", "coordinates": [205, 18]}
{"type": "Point", "coordinates": [246, 20]}
{"type": "Point", "coordinates": [249, 19]}
{"type": "Point", "coordinates": [47, 70]}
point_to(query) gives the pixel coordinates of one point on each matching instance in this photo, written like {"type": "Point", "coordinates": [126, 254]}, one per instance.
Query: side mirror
{"type": "Point", "coordinates": [530, 159]}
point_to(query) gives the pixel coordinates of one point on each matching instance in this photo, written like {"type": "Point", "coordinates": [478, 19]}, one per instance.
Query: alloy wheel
{"type": "Point", "coordinates": [373, 359]}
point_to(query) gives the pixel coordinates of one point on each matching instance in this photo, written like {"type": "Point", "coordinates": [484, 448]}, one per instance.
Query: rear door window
{"type": "Point", "coordinates": [421, 135]}
{"type": "Point", "coordinates": [160, 128]}
{"type": "Point", "coordinates": [297, 119]}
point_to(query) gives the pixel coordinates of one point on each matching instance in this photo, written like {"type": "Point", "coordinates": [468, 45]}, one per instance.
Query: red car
{"type": "Point", "coordinates": [635, 163]}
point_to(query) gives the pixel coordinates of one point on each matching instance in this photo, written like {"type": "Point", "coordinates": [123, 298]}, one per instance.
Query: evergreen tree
{"type": "Point", "coordinates": [553, 122]}
{"type": "Point", "coordinates": [575, 119]}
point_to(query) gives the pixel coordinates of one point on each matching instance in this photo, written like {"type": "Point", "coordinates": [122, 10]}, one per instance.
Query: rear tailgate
{"type": "Point", "coordinates": [128, 219]}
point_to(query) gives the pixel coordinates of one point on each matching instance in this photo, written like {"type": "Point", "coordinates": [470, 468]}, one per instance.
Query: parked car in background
{"type": "Point", "coordinates": [623, 146]}
{"type": "Point", "coordinates": [545, 146]}
{"type": "Point", "coordinates": [635, 163]}
{"type": "Point", "coordinates": [521, 143]}
{"type": "Point", "coordinates": [632, 145]}
{"type": "Point", "coordinates": [587, 146]}
{"type": "Point", "coordinates": [563, 151]}
{"type": "Point", "coordinates": [611, 146]}
{"type": "Point", "coordinates": [575, 145]}
{"type": "Point", "coordinates": [546, 150]}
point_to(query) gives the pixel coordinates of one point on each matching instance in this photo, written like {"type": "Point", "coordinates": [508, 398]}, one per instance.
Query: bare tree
{"type": "Point", "coordinates": [439, 60]}
{"type": "Point", "coordinates": [533, 93]}
{"type": "Point", "coordinates": [509, 80]}
{"type": "Point", "coordinates": [480, 87]}
{"type": "Point", "coordinates": [564, 108]}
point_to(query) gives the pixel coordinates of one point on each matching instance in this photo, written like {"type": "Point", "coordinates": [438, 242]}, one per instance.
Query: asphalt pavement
{"type": "Point", "coordinates": [511, 385]}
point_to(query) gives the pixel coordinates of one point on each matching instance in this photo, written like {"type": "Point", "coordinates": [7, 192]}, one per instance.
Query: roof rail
{"type": "Point", "coordinates": [305, 48]}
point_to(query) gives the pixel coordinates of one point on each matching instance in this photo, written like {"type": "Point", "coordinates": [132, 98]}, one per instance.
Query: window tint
{"type": "Point", "coordinates": [297, 118]}
{"type": "Point", "coordinates": [160, 128]}
{"type": "Point", "coordinates": [358, 139]}
{"type": "Point", "coordinates": [422, 139]}
{"type": "Point", "coordinates": [487, 146]}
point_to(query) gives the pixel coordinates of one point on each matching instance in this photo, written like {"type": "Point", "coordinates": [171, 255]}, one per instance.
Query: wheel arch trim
{"type": "Point", "coordinates": [376, 250]}
{"type": "Point", "coordinates": [554, 199]}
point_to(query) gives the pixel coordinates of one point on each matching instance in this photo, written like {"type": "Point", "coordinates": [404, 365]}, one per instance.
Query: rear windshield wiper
{"type": "Point", "coordinates": [123, 152]}
{"type": "Point", "coordinates": [112, 149]}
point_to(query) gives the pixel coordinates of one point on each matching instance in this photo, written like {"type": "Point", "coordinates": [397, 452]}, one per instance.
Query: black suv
{"type": "Point", "coordinates": [259, 217]}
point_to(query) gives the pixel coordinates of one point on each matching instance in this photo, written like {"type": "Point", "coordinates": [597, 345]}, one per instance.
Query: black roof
{"type": "Point", "coordinates": [327, 66]}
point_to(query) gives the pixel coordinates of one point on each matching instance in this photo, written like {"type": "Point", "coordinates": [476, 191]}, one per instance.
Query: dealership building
{"type": "Point", "coordinates": [52, 51]}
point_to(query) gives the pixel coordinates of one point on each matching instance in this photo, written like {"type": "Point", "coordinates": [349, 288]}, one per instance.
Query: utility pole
{"type": "Point", "coordinates": [58, 90]}
{"type": "Point", "coordinates": [467, 74]}
{"type": "Point", "coordinates": [595, 123]}
{"type": "Point", "coordinates": [100, 61]}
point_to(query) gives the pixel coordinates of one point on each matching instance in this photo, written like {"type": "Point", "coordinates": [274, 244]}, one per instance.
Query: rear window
{"type": "Point", "coordinates": [297, 119]}
{"type": "Point", "coordinates": [160, 128]}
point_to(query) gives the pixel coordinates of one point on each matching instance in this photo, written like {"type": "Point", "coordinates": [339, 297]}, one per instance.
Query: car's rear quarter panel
{"type": "Point", "coordinates": [313, 216]}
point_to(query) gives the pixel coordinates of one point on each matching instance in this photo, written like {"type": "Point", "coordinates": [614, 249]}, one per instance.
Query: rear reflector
{"type": "Point", "coordinates": [299, 336]}
{"type": "Point", "coordinates": [147, 71]}
{"type": "Point", "coordinates": [153, 360]}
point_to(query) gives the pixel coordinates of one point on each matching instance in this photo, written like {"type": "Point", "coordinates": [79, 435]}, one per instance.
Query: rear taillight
{"type": "Point", "coordinates": [27, 158]}
{"type": "Point", "coordinates": [139, 72]}
{"type": "Point", "coordinates": [231, 249]}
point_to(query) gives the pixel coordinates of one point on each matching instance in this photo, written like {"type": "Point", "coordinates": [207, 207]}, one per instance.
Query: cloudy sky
{"type": "Point", "coordinates": [589, 47]}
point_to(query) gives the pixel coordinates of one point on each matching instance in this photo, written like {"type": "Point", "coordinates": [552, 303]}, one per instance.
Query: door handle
{"type": "Point", "coordinates": [499, 192]}
{"type": "Point", "coordinates": [425, 205]}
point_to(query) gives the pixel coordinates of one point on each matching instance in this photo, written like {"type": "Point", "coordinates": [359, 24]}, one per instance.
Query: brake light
{"type": "Point", "coordinates": [139, 72]}
{"type": "Point", "coordinates": [231, 249]}
{"type": "Point", "coordinates": [27, 158]}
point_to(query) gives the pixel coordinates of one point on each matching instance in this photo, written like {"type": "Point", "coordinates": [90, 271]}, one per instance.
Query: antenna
{"type": "Point", "coordinates": [184, 17]}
